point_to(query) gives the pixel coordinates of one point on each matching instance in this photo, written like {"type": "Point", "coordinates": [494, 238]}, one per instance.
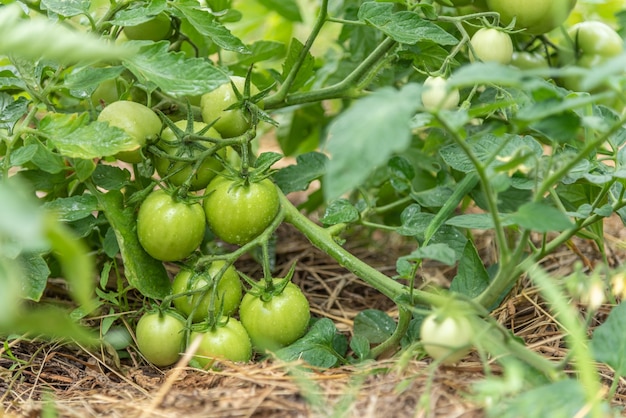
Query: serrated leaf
{"type": "Point", "coordinates": [110, 177]}
{"type": "Point", "coordinates": [401, 172]}
{"type": "Point", "coordinates": [172, 71]}
{"type": "Point", "coordinates": [309, 167]}
{"type": "Point", "coordinates": [286, 8]}
{"type": "Point", "coordinates": [35, 275]}
{"type": "Point", "coordinates": [359, 144]}
{"type": "Point", "coordinates": [143, 272]}
{"type": "Point", "coordinates": [340, 211]}
{"type": "Point", "coordinates": [404, 26]}
{"type": "Point", "coordinates": [439, 252]}
{"type": "Point", "coordinates": [318, 347]}
{"type": "Point", "coordinates": [374, 325]}
{"type": "Point", "coordinates": [608, 342]}
{"type": "Point", "coordinates": [472, 277]}
{"type": "Point", "coordinates": [68, 209]}
{"type": "Point", "coordinates": [67, 8]}
{"type": "Point", "coordinates": [540, 217]}
{"type": "Point", "coordinates": [86, 79]}
{"type": "Point", "coordinates": [307, 66]}
{"type": "Point", "coordinates": [266, 160]}
{"type": "Point", "coordinates": [206, 24]}
{"type": "Point", "coordinates": [135, 15]}
{"type": "Point", "coordinates": [261, 51]}
{"type": "Point", "coordinates": [74, 137]}
{"type": "Point", "coordinates": [11, 110]}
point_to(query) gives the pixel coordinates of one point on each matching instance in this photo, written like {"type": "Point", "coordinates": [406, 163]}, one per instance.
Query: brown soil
{"type": "Point", "coordinates": [41, 378]}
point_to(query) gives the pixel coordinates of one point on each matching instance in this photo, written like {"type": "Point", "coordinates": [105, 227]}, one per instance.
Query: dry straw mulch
{"type": "Point", "coordinates": [39, 378]}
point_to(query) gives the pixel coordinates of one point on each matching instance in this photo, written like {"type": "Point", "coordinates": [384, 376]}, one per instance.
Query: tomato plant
{"type": "Point", "coordinates": [238, 211]}
{"type": "Point", "coordinates": [160, 337]}
{"type": "Point", "coordinates": [275, 318]}
{"type": "Point", "coordinates": [169, 229]}
{"type": "Point", "coordinates": [534, 16]}
{"type": "Point", "coordinates": [180, 171]}
{"type": "Point", "coordinates": [137, 120]}
{"type": "Point", "coordinates": [228, 291]}
{"type": "Point", "coordinates": [491, 45]}
{"type": "Point", "coordinates": [446, 338]}
{"type": "Point", "coordinates": [225, 341]}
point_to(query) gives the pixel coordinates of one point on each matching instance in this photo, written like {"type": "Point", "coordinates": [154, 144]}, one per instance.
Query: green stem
{"type": "Point", "coordinates": [404, 319]}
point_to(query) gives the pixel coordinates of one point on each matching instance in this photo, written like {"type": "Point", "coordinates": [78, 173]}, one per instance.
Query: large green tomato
{"type": "Point", "coordinates": [536, 16]}
{"type": "Point", "coordinates": [275, 321]}
{"type": "Point", "coordinates": [229, 291]}
{"type": "Point", "coordinates": [137, 120]}
{"type": "Point", "coordinates": [224, 342]}
{"type": "Point", "coordinates": [155, 29]}
{"type": "Point", "coordinates": [180, 171]}
{"type": "Point", "coordinates": [237, 212]}
{"type": "Point", "coordinates": [169, 230]}
{"type": "Point", "coordinates": [446, 338]}
{"type": "Point", "coordinates": [230, 123]}
{"type": "Point", "coordinates": [160, 337]}
{"type": "Point", "coordinates": [491, 45]}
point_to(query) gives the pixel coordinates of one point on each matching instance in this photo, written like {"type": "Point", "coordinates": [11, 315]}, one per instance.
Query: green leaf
{"type": "Point", "coordinates": [286, 8]}
{"type": "Point", "coordinates": [68, 209]}
{"type": "Point", "coordinates": [261, 51]}
{"type": "Point", "coordinates": [86, 79]}
{"type": "Point", "coordinates": [309, 167]}
{"type": "Point", "coordinates": [608, 342]}
{"type": "Point", "coordinates": [340, 211]}
{"type": "Point", "coordinates": [360, 346]}
{"type": "Point", "coordinates": [74, 137]}
{"type": "Point", "coordinates": [36, 273]}
{"type": "Point", "coordinates": [472, 277]}
{"type": "Point", "coordinates": [540, 217]}
{"type": "Point", "coordinates": [359, 144]}
{"type": "Point", "coordinates": [266, 160]}
{"type": "Point", "coordinates": [472, 221]}
{"type": "Point", "coordinates": [300, 128]}
{"type": "Point", "coordinates": [11, 110]}
{"type": "Point", "coordinates": [405, 27]}
{"type": "Point", "coordinates": [320, 347]}
{"type": "Point", "coordinates": [110, 177]}
{"type": "Point", "coordinates": [37, 39]}
{"type": "Point", "coordinates": [133, 16]}
{"type": "Point", "coordinates": [439, 252]}
{"type": "Point", "coordinates": [401, 173]}
{"type": "Point", "coordinates": [374, 325]}
{"type": "Point", "coordinates": [206, 24]}
{"type": "Point", "coordinates": [66, 8]}
{"type": "Point", "coordinates": [143, 272]}
{"type": "Point", "coordinates": [21, 218]}
{"type": "Point", "coordinates": [307, 68]}
{"type": "Point", "coordinates": [11, 283]}
{"type": "Point", "coordinates": [155, 66]}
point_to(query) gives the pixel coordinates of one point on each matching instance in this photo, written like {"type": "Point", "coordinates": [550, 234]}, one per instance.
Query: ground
{"type": "Point", "coordinates": [39, 378]}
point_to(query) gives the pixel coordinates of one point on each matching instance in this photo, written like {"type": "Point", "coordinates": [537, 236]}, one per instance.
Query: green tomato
{"type": "Point", "coordinates": [436, 95]}
{"type": "Point", "coordinates": [105, 93]}
{"type": "Point", "coordinates": [229, 291]}
{"type": "Point", "coordinates": [155, 29]}
{"type": "Point", "coordinates": [230, 123]}
{"type": "Point", "coordinates": [118, 337]}
{"type": "Point", "coordinates": [181, 170]}
{"type": "Point", "coordinates": [137, 120]}
{"type": "Point", "coordinates": [275, 321]}
{"type": "Point", "coordinates": [238, 212]}
{"type": "Point", "coordinates": [160, 337]}
{"type": "Point", "coordinates": [525, 60]}
{"type": "Point", "coordinates": [169, 230]}
{"type": "Point", "coordinates": [446, 338]}
{"type": "Point", "coordinates": [224, 342]}
{"type": "Point", "coordinates": [491, 45]}
{"type": "Point", "coordinates": [536, 16]}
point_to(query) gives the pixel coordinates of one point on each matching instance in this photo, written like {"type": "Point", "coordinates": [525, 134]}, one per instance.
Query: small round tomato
{"type": "Point", "coordinates": [105, 93]}
{"type": "Point", "coordinates": [228, 341]}
{"type": "Point", "coordinates": [237, 211]}
{"type": "Point", "coordinates": [525, 60]}
{"type": "Point", "coordinates": [229, 291]}
{"type": "Point", "coordinates": [536, 16]}
{"type": "Point", "coordinates": [437, 96]}
{"type": "Point", "coordinates": [137, 120]}
{"type": "Point", "coordinates": [491, 45]}
{"type": "Point", "coordinates": [118, 337]}
{"type": "Point", "coordinates": [274, 321]}
{"type": "Point", "coordinates": [169, 230]}
{"type": "Point", "coordinates": [230, 123]}
{"type": "Point", "coordinates": [155, 29]}
{"type": "Point", "coordinates": [446, 338]}
{"type": "Point", "coordinates": [160, 337]}
{"type": "Point", "coordinates": [179, 171]}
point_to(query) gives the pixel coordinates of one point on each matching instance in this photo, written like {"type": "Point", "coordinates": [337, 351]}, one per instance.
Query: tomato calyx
{"type": "Point", "coordinates": [269, 287]}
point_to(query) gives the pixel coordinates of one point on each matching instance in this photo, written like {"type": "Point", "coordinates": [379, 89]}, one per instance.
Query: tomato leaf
{"type": "Point", "coordinates": [72, 208]}
{"type": "Point", "coordinates": [110, 177]}
{"type": "Point", "coordinates": [133, 16]}
{"type": "Point", "coordinates": [373, 325]}
{"type": "Point", "coordinates": [286, 8]}
{"type": "Point", "coordinates": [35, 274]}
{"type": "Point", "coordinates": [143, 272]}
{"type": "Point", "coordinates": [307, 66]}
{"type": "Point", "coordinates": [405, 27]}
{"type": "Point", "coordinates": [322, 346]}
{"type": "Point", "coordinates": [340, 211]}
{"type": "Point", "coordinates": [540, 217]}
{"type": "Point", "coordinates": [11, 110]}
{"type": "Point", "coordinates": [472, 277]}
{"type": "Point", "coordinates": [366, 135]}
{"type": "Point", "coordinates": [608, 342]}
{"type": "Point", "coordinates": [66, 8]}
{"type": "Point", "coordinates": [309, 167]}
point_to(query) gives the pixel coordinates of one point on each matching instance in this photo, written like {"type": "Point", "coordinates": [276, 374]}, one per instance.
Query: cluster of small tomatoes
{"type": "Point", "coordinates": [207, 299]}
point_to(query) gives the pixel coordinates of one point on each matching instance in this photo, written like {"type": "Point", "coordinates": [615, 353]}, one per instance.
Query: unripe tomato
{"type": "Point", "coordinates": [436, 96]}
{"type": "Point", "coordinates": [446, 338]}
{"type": "Point", "coordinates": [230, 123]}
{"type": "Point", "coordinates": [169, 230]}
{"type": "Point", "coordinates": [275, 321]}
{"type": "Point", "coordinates": [137, 120]}
{"type": "Point", "coordinates": [160, 337]}
{"type": "Point", "coordinates": [229, 291]}
{"type": "Point", "coordinates": [182, 170]}
{"type": "Point", "coordinates": [155, 29]}
{"type": "Point", "coordinates": [106, 93]}
{"type": "Point", "coordinates": [491, 45]}
{"type": "Point", "coordinates": [225, 342]}
{"type": "Point", "coordinates": [237, 212]}
{"type": "Point", "coordinates": [525, 60]}
{"type": "Point", "coordinates": [536, 16]}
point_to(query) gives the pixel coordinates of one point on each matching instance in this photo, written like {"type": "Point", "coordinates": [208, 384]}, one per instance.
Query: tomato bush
{"type": "Point", "coordinates": [169, 229]}
{"type": "Point", "coordinates": [237, 211]}
{"type": "Point", "coordinates": [160, 337]}
{"type": "Point", "coordinates": [227, 341]}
